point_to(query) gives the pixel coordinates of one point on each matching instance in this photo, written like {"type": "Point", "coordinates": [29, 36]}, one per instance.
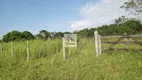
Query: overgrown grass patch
{"type": "Point", "coordinates": [46, 62]}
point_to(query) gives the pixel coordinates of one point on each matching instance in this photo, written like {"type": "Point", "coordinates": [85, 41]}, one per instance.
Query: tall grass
{"type": "Point", "coordinates": [46, 62]}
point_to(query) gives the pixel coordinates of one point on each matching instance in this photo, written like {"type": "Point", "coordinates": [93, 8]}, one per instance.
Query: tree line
{"type": "Point", "coordinates": [122, 25]}
{"type": "Point", "coordinates": [130, 26]}
{"type": "Point", "coordinates": [26, 35]}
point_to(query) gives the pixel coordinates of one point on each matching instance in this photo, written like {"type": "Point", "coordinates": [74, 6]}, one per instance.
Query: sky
{"type": "Point", "coordinates": [57, 15]}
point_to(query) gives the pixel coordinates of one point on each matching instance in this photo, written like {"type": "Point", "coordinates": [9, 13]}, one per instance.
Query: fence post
{"type": "Point", "coordinates": [64, 52]}
{"type": "Point", "coordinates": [1, 48]}
{"type": "Point", "coordinates": [28, 51]}
{"type": "Point", "coordinates": [126, 40]}
{"type": "Point", "coordinates": [126, 43]}
{"type": "Point", "coordinates": [12, 52]}
{"type": "Point", "coordinates": [96, 43]}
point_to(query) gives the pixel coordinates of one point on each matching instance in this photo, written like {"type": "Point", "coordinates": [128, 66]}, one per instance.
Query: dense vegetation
{"type": "Point", "coordinates": [46, 55]}
{"type": "Point", "coordinates": [130, 26]}
{"type": "Point", "coordinates": [16, 35]}
{"type": "Point", "coordinates": [46, 62]}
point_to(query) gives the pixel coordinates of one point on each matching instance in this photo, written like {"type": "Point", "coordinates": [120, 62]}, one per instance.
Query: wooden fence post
{"type": "Point", "coordinates": [12, 52]}
{"type": "Point", "coordinates": [64, 52]}
{"type": "Point", "coordinates": [28, 51]}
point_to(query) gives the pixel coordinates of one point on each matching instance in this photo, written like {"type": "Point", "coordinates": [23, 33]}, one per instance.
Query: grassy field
{"type": "Point", "coordinates": [46, 62]}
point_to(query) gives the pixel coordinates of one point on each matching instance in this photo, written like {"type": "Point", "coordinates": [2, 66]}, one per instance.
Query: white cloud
{"type": "Point", "coordinates": [100, 13]}
{"type": "Point", "coordinates": [82, 24]}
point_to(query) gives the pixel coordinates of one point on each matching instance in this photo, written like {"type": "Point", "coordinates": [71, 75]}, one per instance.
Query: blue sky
{"type": "Point", "coordinates": [57, 15]}
{"type": "Point", "coordinates": [35, 15]}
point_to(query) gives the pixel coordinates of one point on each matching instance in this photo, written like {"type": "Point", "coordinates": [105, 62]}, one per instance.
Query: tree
{"type": "Point", "coordinates": [134, 26]}
{"type": "Point", "coordinates": [27, 35]}
{"type": "Point", "coordinates": [38, 36]}
{"type": "Point", "coordinates": [121, 20]}
{"type": "Point", "coordinates": [6, 37]}
{"type": "Point", "coordinates": [134, 6]}
{"type": "Point", "coordinates": [11, 36]}
{"type": "Point", "coordinates": [59, 34]}
{"type": "Point", "coordinates": [66, 32]}
{"type": "Point", "coordinates": [45, 34]}
{"type": "Point", "coordinates": [130, 26]}
{"type": "Point", "coordinates": [52, 35]}
{"type": "Point", "coordinates": [16, 35]}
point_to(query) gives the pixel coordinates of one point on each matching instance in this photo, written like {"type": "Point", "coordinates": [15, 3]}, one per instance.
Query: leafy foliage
{"type": "Point", "coordinates": [59, 35]}
{"type": "Point", "coordinates": [131, 26]}
{"type": "Point", "coordinates": [43, 34]}
{"type": "Point", "coordinates": [27, 35]}
{"type": "Point", "coordinates": [16, 35]}
{"type": "Point", "coordinates": [122, 25]}
{"type": "Point", "coordinates": [134, 6]}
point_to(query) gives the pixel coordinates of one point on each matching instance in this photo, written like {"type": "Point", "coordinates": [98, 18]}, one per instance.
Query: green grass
{"type": "Point", "coordinates": [46, 62]}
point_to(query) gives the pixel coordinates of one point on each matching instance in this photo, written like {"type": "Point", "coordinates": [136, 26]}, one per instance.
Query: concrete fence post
{"type": "Point", "coordinates": [64, 49]}
{"type": "Point", "coordinates": [12, 51]}
{"type": "Point", "coordinates": [126, 40]}
{"type": "Point", "coordinates": [97, 43]}
{"type": "Point", "coordinates": [28, 51]}
{"type": "Point", "coordinates": [1, 48]}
